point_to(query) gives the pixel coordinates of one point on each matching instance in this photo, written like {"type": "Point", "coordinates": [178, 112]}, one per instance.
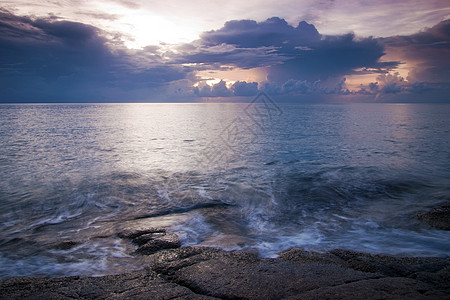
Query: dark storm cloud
{"type": "Point", "coordinates": [47, 60]}
{"type": "Point", "coordinates": [272, 32]}
{"type": "Point", "coordinates": [427, 55]}
{"type": "Point", "coordinates": [299, 53]}
{"type": "Point", "coordinates": [330, 57]}
{"type": "Point", "coordinates": [428, 52]}
{"type": "Point", "coordinates": [247, 44]}
{"type": "Point", "coordinates": [218, 56]}
{"type": "Point", "coordinates": [301, 61]}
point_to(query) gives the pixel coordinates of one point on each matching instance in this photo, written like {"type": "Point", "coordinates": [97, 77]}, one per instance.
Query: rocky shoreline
{"type": "Point", "coordinates": [175, 272]}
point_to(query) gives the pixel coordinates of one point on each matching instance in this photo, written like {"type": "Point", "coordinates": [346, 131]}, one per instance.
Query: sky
{"type": "Point", "coordinates": [211, 51]}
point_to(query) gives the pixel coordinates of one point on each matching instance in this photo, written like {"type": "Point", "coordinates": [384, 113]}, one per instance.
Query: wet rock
{"type": "Point", "coordinates": [243, 277]}
{"type": "Point", "coordinates": [391, 265]}
{"type": "Point", "coordinates": [438, 217]}
{"type": "Point", "coordinates": [131, 234]}
{"type": "Point", "coordinates": [300, 274]}
{"type": "Point", "coordinates": [151, 240]}
{"type": "Point", "coordinates": [136, 285]}
{"type": "Point", "coordinates": [382, 288]}
{"type": "Point", "coordinates": [145, 238]}
{"type": "Point", "coordinates": [211, 273]}
{"type": "Point", "coordinates": [156, 242]}
{"type": "Point", "coordinates": [66, 245]}
{"type": "Point", "coordinates": [303, 256]}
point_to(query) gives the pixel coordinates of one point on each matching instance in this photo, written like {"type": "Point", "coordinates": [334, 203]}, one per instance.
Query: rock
{"type": "Point", "coordinates": [131, 234]}
{"type": "Point", "coordinates": [151, 240]}
{"type": "Point", "coordinates": [136, 285]}
{"type": "Point", "coordinates": [242, 276]}
{"type": "Point", "coordinates": [157, 243]}
{"type": "Point", "coordinates": [438, 217]}
{"type": "Point", "coordinates": [66, 245]}
{"type": "Point", "coordinates": [382, 288]}
{"type": "Point", "coordinates": [302, 256]}
{"type": "Point", "coordinates": [212, 273]}
{"type": "Point", "coordinates": [394, 266]}
{"type": "Point", "coordinates": [300, 274]}
{"type": "Point", "coordinates": [145, 238]}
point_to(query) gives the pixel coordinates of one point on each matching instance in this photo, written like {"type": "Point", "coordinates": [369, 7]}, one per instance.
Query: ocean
{"type": "Point", "coordinates": [260, 175]}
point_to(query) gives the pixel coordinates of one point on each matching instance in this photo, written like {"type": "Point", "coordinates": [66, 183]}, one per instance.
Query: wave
{"type": "Point", "coordinates": [270, 209]}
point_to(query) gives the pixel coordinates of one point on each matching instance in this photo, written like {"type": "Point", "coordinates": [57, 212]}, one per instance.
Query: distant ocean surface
{"type": "Point", "coordinates": [261, 175]}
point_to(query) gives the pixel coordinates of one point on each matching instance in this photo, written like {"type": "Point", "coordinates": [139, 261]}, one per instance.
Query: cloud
{"type": "Point", "coordinates": [332, 56]}
{"type": "Point", "coordinates": [47, 60]}
{"type": "Point", "coordinates": [98, 15]}
{"type": "Point", "coordinates": [299, 60]}
{"type": "Point", "coordinates": [303, 53]}
{"type": "Point", "coordinates": [248, 44]}
{"type": "Point", "coordinates": [294, 88]}
{"type": "Point", "coordinates": [220, 89]}
{"type": "Point", "coordinates": [242, 88]}
{"type": "Point", "coordinates": [426, 55]}
{"type": "Point", "coordinates": [218, 56]}
{"type": "Point", "coordinates": [393, 87]}
{"type": "Point", "coordinates": [385, 84]}
{"type": "Point", "coordinates": [391, 83]}
{"type": "Point", "coordinates": [272, 32]}
{"type": "Point", "coordinates": [427, 52]}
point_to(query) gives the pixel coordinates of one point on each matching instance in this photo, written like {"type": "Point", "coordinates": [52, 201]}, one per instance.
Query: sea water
{"type": "Point", "coordinates": [267, 176]}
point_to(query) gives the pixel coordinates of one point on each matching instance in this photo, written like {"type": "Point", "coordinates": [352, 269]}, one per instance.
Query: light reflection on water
{"type": "Point", "coordinates": [317, 176]}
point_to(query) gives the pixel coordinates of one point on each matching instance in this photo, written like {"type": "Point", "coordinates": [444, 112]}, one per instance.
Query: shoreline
{"type": "Point", "coordinates": [196, 272]}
